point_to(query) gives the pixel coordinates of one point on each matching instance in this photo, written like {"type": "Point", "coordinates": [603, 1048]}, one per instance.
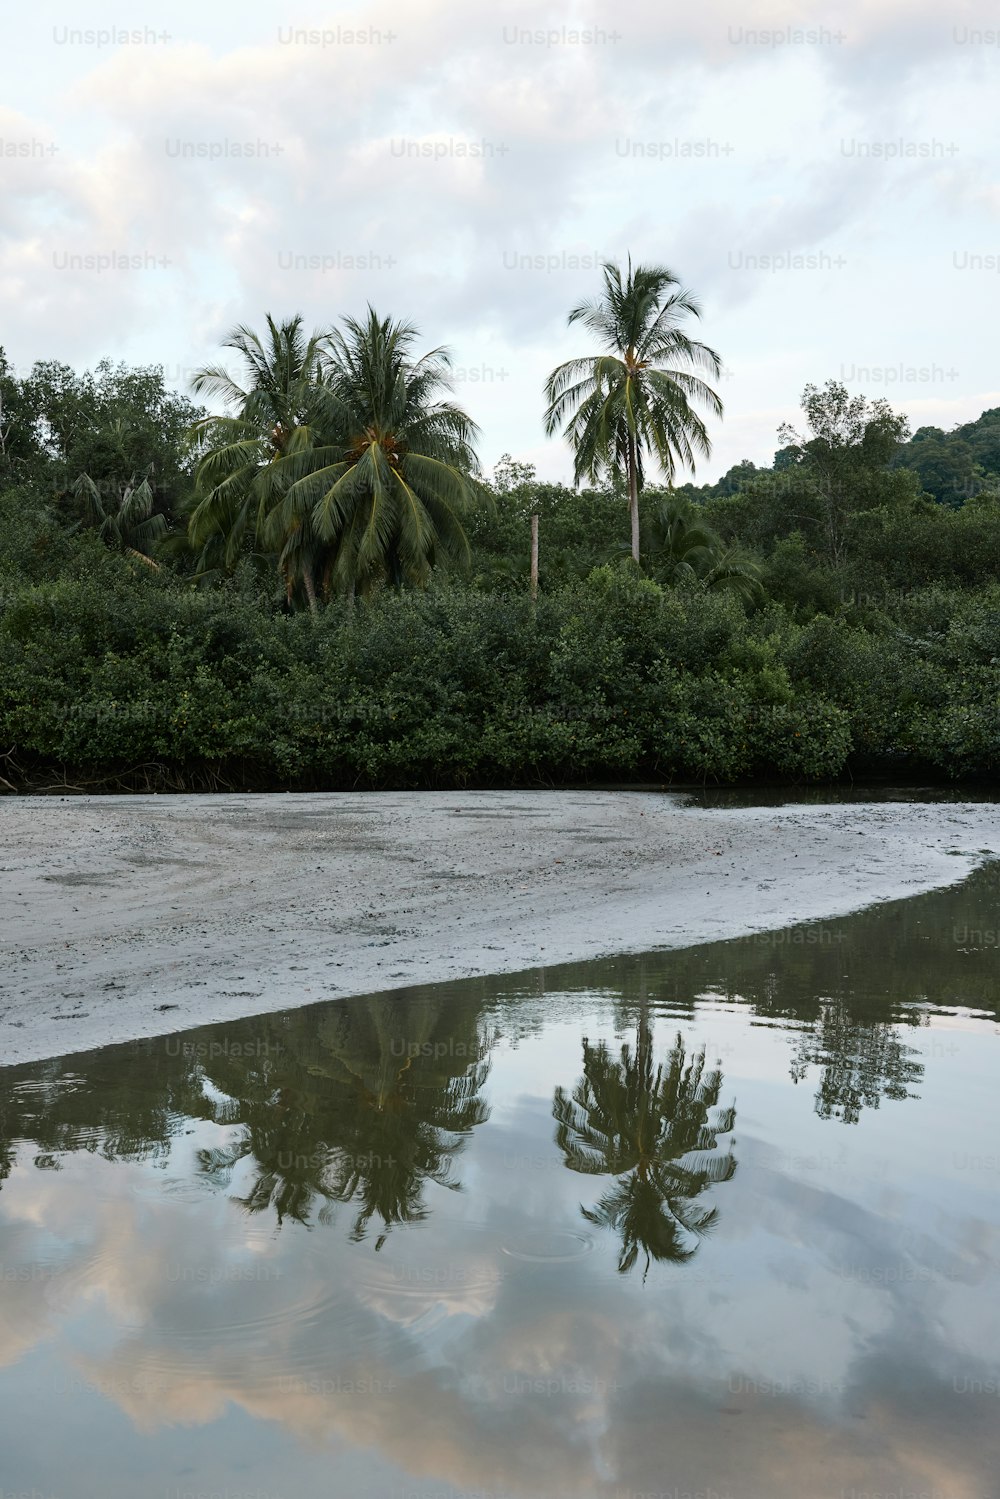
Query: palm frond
{"type": "Point", "coordinates": [635, 399]}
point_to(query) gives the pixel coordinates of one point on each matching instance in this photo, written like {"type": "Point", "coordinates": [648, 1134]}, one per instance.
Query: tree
{"type": "Point", "coordinates": [958, 465]}
{"type": "Point", "coordinates": [634, 400]}
{"type": "Point", "coordinates": [841, 466]}
{"type": "Point", "coordinates": [651, 1131]}
{"type": "Point", "coordinates": [862, 1061]}
{"type": "Point", "coordinates": [945, 468]}
{"type": "Point", "coordinates": [680, 545]}
{"type": "Point", "coordinates": [21, 452]}
{"type": "Point", "coordinates": [735, 478]}
{"type": "Point", "coordinates": [241, 489]}
{"type": "Point", "coordinates": [388, 470]}
{"type": "Point", "coordinates": [112, 429]}
{"type": "Point", "coordinates": [520, 495]}
{"type": "Point", "coordinates": [128, 524]}
{"type": "Point", "coordinates": [362, 1103]}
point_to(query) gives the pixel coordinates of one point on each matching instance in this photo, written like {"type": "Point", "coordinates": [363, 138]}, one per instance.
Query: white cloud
{"type": "Point", "coordinates": [534, 157]}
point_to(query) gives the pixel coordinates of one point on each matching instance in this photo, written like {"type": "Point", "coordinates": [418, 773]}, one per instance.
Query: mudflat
{"type": "Point", "coordinates": [123, 917]}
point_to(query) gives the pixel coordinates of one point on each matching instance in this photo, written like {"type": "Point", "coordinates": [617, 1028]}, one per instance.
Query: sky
{"type": "Point", "coordinates": [824, 180]}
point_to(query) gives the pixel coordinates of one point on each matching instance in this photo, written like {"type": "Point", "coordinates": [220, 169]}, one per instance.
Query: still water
{"type": "Point", "coordinates": [723, 1222]}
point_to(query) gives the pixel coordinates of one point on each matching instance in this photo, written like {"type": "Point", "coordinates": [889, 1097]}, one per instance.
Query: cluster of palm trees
{"type": "Point", "coordinates": [339, 457]}
{"type": "Point", "coordinates": [342, 457]}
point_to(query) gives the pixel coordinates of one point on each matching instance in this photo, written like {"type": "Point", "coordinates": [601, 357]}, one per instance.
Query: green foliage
{"type": "Point", "coordinates": [109, 668]}
{"type": "Point", "coordinates": [339, 459]}
{"type": "Point", "coordinates": [120, 428]}
{"type": "Point", "coordinates": [579, 529]}
{"type": "Point", "coordinates": [958, 465]}
{"type": "Point", "coordinates": [681, 548]}
{"type": "Point", "coordinates": [862, 638]}
{"type": "Point", "coordinates": [232, 518]}
{"type": "Point", "coordinates": [127, 523]}
{"type": "Point", "coordinates": [637, 399]}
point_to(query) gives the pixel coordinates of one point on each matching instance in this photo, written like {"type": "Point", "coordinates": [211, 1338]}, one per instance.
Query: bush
{"type": "Point", "coordinates": [118, 675]}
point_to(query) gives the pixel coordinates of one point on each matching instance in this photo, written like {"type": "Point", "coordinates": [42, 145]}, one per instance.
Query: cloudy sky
{"type": "Point", "coordinates": [825, 180]}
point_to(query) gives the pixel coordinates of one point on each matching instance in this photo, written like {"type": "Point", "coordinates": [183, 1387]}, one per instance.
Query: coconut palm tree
{"type": "Point", "coordinates": [387, 470]}
{"type": "Point", "coordinates": [239, 483]}
{"type": "Point", "coordinates": [128, 523]}
{"type": "Point", "coordinates": [650, 1130]}
{"type": "Point", "coordinates": [680, 545]}
{"type": "Point", "coordinates": [413, 1081]}
{"type": "Point", "coordinates": [635, 399]}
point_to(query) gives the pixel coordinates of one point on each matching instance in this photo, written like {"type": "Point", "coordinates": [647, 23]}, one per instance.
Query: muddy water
{"type": "Point", "coordinates": [721, 1222]}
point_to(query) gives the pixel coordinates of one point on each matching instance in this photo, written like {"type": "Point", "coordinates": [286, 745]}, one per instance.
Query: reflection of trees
{"type": "Point", "coordinates": [7, 1136]}
{"type": "Point", "coordinates": [122, 1103]}
{"type": "Point", "coordinates": [333, 1111]}
{"type": "Point", "coordinates": [651, 1132]}
{"type": "Point", "coordinates": [846, 993]}
{"type": "Point", "coordinates": [362, 1100]}
{"type": "Point", "coordinates": [862, 1063]}
{"type": "Point", "coordinates": [369, 1099]}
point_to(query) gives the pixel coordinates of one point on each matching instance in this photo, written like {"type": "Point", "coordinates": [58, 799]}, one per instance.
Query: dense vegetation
{"type": "Point", "coordinates": [318, 589]}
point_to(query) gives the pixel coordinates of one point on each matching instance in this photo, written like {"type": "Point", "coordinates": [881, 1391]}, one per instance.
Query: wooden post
{"type": "Point", "coordinates": [534, 556]}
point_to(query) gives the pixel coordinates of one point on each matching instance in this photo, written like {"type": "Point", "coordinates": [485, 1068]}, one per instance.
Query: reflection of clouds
{"type": "Point", "coordinates": [894, 1239]}
{"type": "Point", "coordinates": [761, 1370]}
{"type": "Point", "coordinates": [415, 1276]}
{"type": "Point", "coordinates": [912, 1439]}
{"type": "Point", "coordinates": [53, 1250]}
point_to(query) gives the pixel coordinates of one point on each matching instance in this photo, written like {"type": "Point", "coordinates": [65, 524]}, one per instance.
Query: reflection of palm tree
{"type": "Point", "coordinates": [7, 1138]}
{"type": "Point", "coordinates": [414, 1081]}
{"type": "Point", "coordinates": [120, 1103]}
{"type": "Point", "coordinates": [649, 1130]}
{"type": "Point", "coordinates": [365, 1104]}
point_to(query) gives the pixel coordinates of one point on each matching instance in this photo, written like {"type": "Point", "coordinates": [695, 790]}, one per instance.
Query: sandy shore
{"type": "Point", "coordinates": [134, 916]}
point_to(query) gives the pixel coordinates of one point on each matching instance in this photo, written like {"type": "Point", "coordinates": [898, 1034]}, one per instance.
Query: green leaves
{"type": "Point", "coordinates": [643, 386]}
{"type": "Point", "coordinates": [343, 460]}
{"type": "Point", "coordinates": [122, 515]}
{"type": "Point", "coordinates": [393, 505]}
{"type": "Point", "coordinates": [653, 1135]}
{"type": "Point", "coordinates": [109, 667]}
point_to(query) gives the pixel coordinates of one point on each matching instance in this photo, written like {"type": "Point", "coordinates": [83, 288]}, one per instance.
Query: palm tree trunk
{"type": "Point", "coordinates": [633, 496]}
{"type": "Point", "coordinates": [310, 587]}
{"type": "Point", "coordinates": [534, 557]}
{"type": "Point", "coordinates": [644, 1036]}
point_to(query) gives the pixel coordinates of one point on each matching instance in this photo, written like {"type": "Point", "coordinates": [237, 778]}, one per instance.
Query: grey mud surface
{"type": "Point", "coordinates": [123, 917]}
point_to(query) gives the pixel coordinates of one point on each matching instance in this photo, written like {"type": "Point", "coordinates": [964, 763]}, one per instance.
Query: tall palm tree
{"type": "Point", "coordinates": [239, 482]}
{"type": "Point", "coordinates": [634, 400]}
{"type": "Point", "coordinates": [389, 467]}
{"type": "Point", "coordinates": [651, 1131]}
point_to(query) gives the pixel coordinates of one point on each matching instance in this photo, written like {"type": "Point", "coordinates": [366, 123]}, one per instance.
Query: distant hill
{"type": "Point", "coordinates": [952, 466]}
{"type": "Point", "coordinates": [955, 465]}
